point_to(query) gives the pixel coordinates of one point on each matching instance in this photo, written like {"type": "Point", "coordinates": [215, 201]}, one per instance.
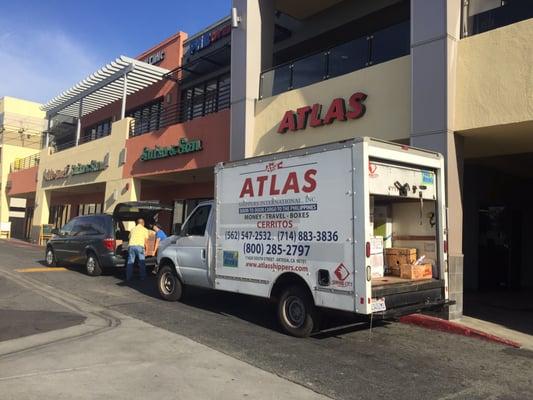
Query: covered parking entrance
{"type": "Point", "coordinates": [181, 190]}
{"type": "Point", "coordinates": [497, 220]}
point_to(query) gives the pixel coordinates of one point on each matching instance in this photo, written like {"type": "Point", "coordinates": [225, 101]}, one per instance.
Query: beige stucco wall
{"type": "Point", "coordinates": [116, 189]}
{"type": "Point", "coordinates": [388, 109]}
{"type": "Point", "coordinates": [495, 78]}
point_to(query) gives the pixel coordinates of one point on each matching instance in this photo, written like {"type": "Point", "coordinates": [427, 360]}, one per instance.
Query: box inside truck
{"type": "Point", "coordinates": [404, 245]}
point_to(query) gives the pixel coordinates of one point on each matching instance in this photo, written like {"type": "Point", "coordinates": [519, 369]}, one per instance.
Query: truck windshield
{"type": "Point", "coordinates": [197, 222]}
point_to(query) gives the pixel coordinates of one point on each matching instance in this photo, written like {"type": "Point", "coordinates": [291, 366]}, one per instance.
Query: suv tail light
{"type": "Point", "coordinates": [110, 244]}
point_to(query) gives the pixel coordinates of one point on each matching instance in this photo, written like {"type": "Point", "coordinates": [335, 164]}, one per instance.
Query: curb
{"type": "Point", "coordinates": [443, 325]}
{"type": "Point", "coordinates": [21, 243]}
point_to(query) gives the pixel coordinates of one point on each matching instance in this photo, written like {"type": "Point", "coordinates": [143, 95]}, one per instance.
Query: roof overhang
{"type": "Point", "coordinates": [104, 87]}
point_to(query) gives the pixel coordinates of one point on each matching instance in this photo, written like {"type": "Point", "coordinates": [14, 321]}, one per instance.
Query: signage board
{"type": "Point", "coordinates": [75, 169]}
{"type": "Point", "coordinates": [338, 110]}
{"type": "Point", "coordinates": [207, 39]}
{"type": "Point", "coordinates": [183, 147]}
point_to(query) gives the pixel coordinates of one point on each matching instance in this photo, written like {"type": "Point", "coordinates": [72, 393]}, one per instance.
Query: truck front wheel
{"type": "Point", "coordinates": [296, 312]}
{"type": "Point", "coordinates": [168, 284]}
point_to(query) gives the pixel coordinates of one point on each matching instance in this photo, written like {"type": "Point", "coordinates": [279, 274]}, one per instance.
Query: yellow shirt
{"type": "Point", "coordinates": [138, 236]}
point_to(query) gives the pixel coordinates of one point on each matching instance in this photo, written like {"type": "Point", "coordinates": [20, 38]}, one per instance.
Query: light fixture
{"type": "Point", "coordinates": [235, 18]}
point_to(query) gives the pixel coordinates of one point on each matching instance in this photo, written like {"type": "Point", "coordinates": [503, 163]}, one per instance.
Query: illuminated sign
{"type": "Point", "coordinates": [312, 115]}
{"type": "Point", "coordinates": [75, 169]}
{"type": "Point", "coordinates": [208, 38]}
{"type": "Point", "coordinates": [183, 147]}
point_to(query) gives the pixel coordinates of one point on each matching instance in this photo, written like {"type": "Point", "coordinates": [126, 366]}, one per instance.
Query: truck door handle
{"type": "Point", "coordinates": [203, 254]}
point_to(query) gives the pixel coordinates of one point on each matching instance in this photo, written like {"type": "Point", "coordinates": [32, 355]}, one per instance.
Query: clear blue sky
{"type": "Point", "coordinates": [46, 46]}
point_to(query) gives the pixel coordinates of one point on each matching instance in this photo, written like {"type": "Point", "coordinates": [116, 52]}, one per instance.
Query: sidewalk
{"type": "Point", "coordinates": [113, 356]}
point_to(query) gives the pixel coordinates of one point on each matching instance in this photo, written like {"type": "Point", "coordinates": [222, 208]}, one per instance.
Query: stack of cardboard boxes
{"type": "Point", "coordinates": [403, 262]}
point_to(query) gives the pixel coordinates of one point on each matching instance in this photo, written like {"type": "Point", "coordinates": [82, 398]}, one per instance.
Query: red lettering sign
{"type": "Point", "coordinates": [337, 111]}
{"type": "Point", "coordinates": [292, 184]}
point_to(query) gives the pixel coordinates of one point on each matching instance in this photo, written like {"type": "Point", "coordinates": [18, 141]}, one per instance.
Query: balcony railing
{"type": "Point", "coordinates": [56, 147]}
{"type": "Point", "coordinates": [25, 163]}
{"type": "Point", "coordinates": [481, 16]}
{"type": "Point", "coordinates": [199, 106]}
{"type": "Point", "coordinates": [383, 45]}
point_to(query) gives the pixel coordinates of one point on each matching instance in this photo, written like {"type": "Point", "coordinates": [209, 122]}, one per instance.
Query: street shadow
{"type": "Point", "coordinates": [512, 309]}
{"type": "Point", "coordinates": [255, 310]}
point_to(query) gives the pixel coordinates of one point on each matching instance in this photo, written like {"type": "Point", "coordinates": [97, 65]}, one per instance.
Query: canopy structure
{"type": "Point", "coordinates": [113, 82]}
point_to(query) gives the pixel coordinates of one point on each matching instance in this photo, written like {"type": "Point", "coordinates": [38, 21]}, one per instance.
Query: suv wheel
{"type": "Point", "coordinates": [50, 257]}
{"type": "Point", "coordinates": [92, 266]}
{"type": "Point", "coordinates": [168, 283]}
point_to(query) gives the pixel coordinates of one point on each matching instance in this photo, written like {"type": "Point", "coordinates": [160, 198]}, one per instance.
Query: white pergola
{"type": "Point", "coordinates": [111, 83]}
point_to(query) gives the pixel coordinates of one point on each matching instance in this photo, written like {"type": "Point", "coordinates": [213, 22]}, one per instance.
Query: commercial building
{"type": "Point", "coordinates": [452, 76]}
{"type": "Point", "coordinates": [149, 128]}
{"type": "Point", "coordinates": [447, 75]}
{"type": "Point", "coordinates": [21, 127]}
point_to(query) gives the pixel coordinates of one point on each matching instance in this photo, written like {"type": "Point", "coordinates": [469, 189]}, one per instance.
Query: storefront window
{"type": "Point", "coordinates": [147, 117]}
{"type": "Point", "coordinates": [96, 131]}
{"type": "Point", "coordinates": [90, 208]}
{"type": "Point", "coordinates": [205, 98]}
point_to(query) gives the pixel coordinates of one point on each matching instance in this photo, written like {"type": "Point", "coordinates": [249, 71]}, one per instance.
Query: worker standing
{"type": "Point", "coordinates": [136, 248]}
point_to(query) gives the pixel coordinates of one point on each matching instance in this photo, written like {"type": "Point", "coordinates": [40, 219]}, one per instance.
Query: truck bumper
{"type": "Point", "coordinates": [397, 312]}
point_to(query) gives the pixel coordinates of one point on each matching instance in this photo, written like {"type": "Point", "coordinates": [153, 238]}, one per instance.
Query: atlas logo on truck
{"type": "Point", "coordinates": [263, 185]}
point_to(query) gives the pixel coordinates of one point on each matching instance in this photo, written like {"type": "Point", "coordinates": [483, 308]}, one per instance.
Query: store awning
{"type": "Point", "coordinates": [111, 83]}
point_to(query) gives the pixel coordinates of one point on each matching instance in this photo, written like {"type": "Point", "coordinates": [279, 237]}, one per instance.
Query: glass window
{"type": "Point", "coordinates": [391, 43]}
{"type": "Point", "coordinates": [147, 117]}
{"type": "Point", "coordinates": [348, 57]}
{"type": "Point", "coordinates": [196, 224]}
{"type": "Point", "coordinates": [68, 227]}
{"type": "Point", "coordinates": [308, 70]}
{"type": "Point", "coordinates": [205, 98]}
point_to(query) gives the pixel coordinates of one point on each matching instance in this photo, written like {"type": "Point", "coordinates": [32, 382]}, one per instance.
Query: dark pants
{"type": "Point", "coordinates": [135, 252]}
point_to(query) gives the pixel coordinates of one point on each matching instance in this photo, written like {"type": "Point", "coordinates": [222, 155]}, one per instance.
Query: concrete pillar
{"type": "Point", "coordinates": [435, 32]}
{"type": "Point", "coordinates": [41, 212]}
{"type": "Point", "coordinates": [121, 190]}
{"type": "Point", "coordinates": [251, 52]}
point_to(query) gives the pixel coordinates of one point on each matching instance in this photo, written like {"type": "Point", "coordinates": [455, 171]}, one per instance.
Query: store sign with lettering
{"type": "Point", "coordinates": [75, 169]}
{"type": "Point", "coordinates": [207, 39]}
{"type": "Point", "coordinates": [338, 110]}
{"type": "Point", "coordinates": [155, 58]}
{"type": "Point", "coordinates": [183, 147]}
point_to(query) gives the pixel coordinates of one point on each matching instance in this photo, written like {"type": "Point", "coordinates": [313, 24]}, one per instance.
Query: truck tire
{"type": "Point", "coordinates": [168, 283]}
{"type": "Point", "coordinates": [296, 312]}
{"type": "Point", "coordinates": [50, 257]}
{"type": "Point", "coordinates": [92, 266]}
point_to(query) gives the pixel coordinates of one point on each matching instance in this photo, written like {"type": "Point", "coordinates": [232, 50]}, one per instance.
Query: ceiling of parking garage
{"type": "Point", "coordinates": [498, 140]}
{"type": "Point", "coordinates": [304, 9]}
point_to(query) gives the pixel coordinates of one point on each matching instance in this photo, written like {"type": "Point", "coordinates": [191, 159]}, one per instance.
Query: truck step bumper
{"type": "Point", "coordinates": [397, 312]}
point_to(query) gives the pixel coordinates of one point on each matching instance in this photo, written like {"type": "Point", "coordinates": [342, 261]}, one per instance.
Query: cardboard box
{"type": "Point", "coordinates": [416, 272]}
{"type": "Point", "coordinates": [393, 270]}
{"type": "Point", "coordinates": [396, 256]}
{"type": "Point", "coordinates": [376, 257]}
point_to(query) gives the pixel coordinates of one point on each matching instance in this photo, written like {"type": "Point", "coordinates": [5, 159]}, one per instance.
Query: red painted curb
{"type": "Point", "coordinates": [443, 325]}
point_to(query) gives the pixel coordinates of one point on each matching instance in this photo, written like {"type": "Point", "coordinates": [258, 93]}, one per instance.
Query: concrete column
{"type": "Point", "coordinates": [41, 213]}
{"type": "Point", "coordinates": [121, 190]}
{"type": "Point", "coordinates": [251, 52]}
{"type": "Point", "coordinates": [435, 32]}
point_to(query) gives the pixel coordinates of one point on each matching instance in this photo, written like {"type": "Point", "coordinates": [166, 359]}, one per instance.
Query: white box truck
{"type": "Point", "coordinates": [295, 227]}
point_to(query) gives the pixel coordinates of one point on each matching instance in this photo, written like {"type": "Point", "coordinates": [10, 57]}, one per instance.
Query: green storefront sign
{"type": "Point", "coordinates": [183, 147]}
{"type": "Point", "coordinates": [75, 169]}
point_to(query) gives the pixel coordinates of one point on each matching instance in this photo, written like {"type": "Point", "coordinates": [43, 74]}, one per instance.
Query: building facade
{"type": "Point", "coordinates": [446, 75]}
{"type": "Point", "coordinates": [21, 127]}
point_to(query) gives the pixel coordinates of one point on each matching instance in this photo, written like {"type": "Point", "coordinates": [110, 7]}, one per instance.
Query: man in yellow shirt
{"type": "Point", "coordinates": [136, 245]}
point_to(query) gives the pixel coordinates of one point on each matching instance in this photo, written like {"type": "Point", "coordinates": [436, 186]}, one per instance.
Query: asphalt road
{"type": "Point", "coordinates": [388, 361]}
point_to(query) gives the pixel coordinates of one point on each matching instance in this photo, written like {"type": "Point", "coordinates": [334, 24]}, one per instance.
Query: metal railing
{"type": "Point", "coordinates": [185, 110]}
{"type": "Point", "coordinates": [25, 163]}
{"type": "Point", "coordinates": [57, 147]}
{"type": "Point", "coordinates": [380, 46]}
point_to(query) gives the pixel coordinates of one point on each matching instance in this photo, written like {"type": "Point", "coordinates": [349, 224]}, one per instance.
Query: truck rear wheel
{"type": "Point", "coordinates": [296, 312]}
{"type": "Point", "coordinates": [168, 283]}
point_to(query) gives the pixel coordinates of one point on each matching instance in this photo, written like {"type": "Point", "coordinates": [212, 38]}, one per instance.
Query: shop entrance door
{"type": "Point", "coordinates": [499, 249]}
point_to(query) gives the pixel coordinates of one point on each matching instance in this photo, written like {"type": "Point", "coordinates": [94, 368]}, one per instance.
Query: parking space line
{"type": "Point", "coordinates": [41, 269]}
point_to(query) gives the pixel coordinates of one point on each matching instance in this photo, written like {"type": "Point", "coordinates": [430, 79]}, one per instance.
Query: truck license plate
{"type": "Point", "coordinates": [378, 305]}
